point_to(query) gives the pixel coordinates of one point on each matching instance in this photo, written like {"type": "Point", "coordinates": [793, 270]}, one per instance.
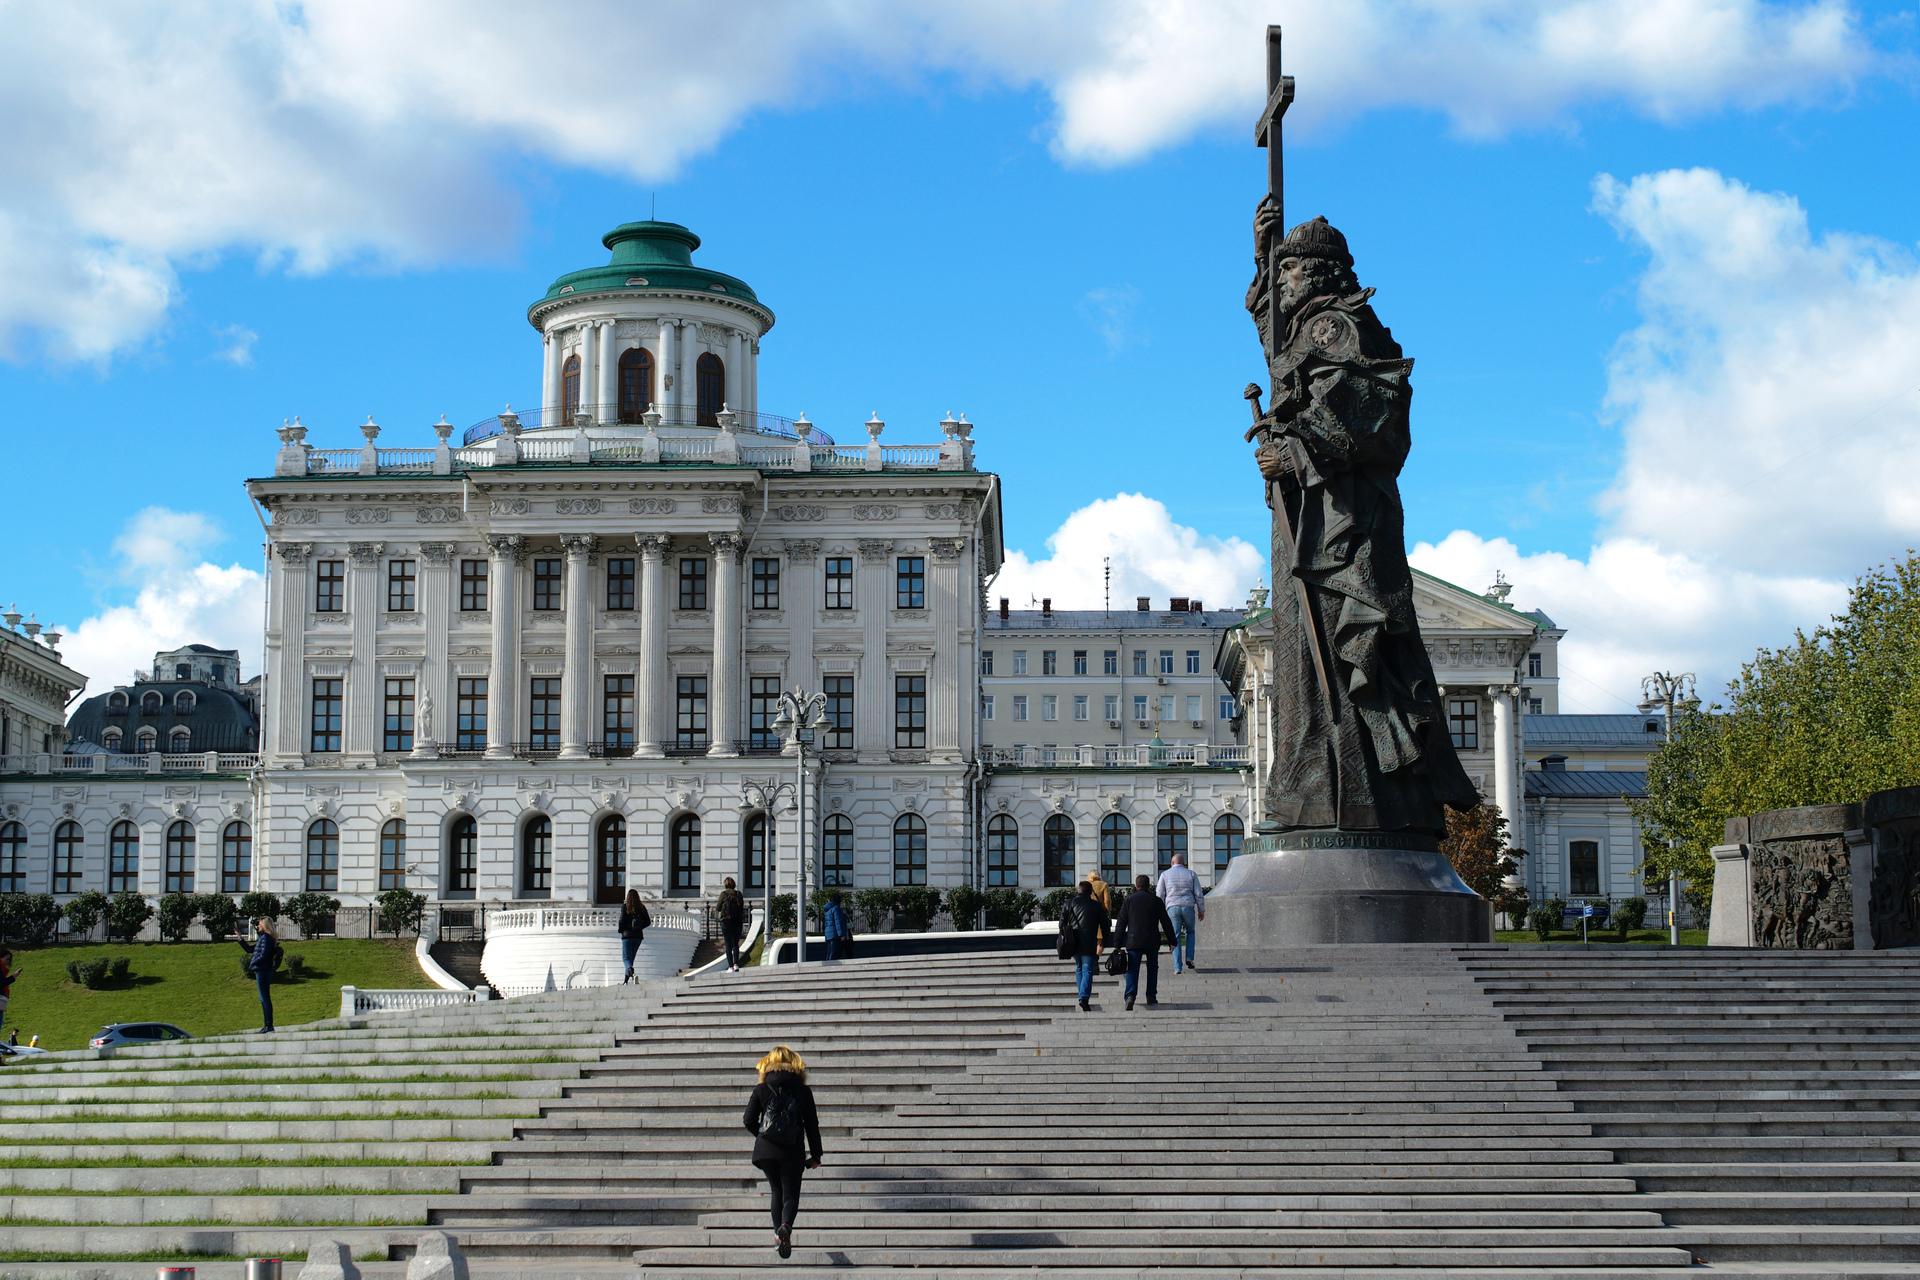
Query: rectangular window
{"type": "Point", "coordinates": [839, 731]}
{"type": "Point", "coordinates": [1049, 707]}
{"type": "Point", "coordinates": [123, 858]}
{"type": "Point", "coordinates": [543, 715]}
{"type": "Point", "coordinates": [1193, 662]}
{"type": "Point", "coordinates": [399, 715]}
{"type": "Point", "coordinates": [1110, 662]}
{"type": "Point", "coordinates": [616, 715]}
{"type": "Point", "coordinates": [1079, 662]}
{"type": "Point", "coordinates": [470, 715]}
{"type": "Point", "coordinates": [1019, 706]}
{"type": "Point", "coordinates": [547, 577]}
{"type": "Point", "coordinates": [400, 581]}
{"type": "Point", "coordinates": [690, 712]}
{"type": "Point", "coordinates": [473, 586]}
{"type": "Point", "coordinates": [693, 583]}
{"type": "Point", "coordinates": [1166, 662]}
{"type": "Point", "coordinates": [1079, 706]}
{"type": "Point", "coordinates": [620, 584]}
{"type": "Point", "coordinates": [1226, 706]}
{"type": "Point", "coordinates": [1193, 707]}
{"type": "Point", "coordinates": [326, 716]}
{"type": "Point", "coordinates": [1534, 706]}
{"type": "Point", "coordinates": [986, 706]}
{"type": "Point", "coordinates": [986, 662]}
{"type": "Point", "coordinates": [839, 582]}
{"type": "Point", "coordinates": [910, 584]}
{"type": "Point", "coordinates": [236, 858]}
{"type": "Point", "coordinates": [763, 708]}
{"type": "Point", "coordinates": [1019, 662]}
{"type": "Point", "coordinates": [1463, 723]}
{"type": "Point", "coordinates": [329, 586]}
{"type": "Point", "coordinates": [1533, 665]}
{"type": "Point", "coordinates": [1139, 662]}
{"type": "Point", "coordinates": [1583, 866]}
{"type": "Point", "coordinates": [1049, 662]}
{"type": "Point", "coordinates": [910, 711]}
{"type": "Point", "coordinates": [766, 584]}
{"type": "Point", "coordinates": [1166, 708]}
{"type": "Point", "coordinates": [1140, 707]}
{"type": "Point", "coordinates": [1110, 707]}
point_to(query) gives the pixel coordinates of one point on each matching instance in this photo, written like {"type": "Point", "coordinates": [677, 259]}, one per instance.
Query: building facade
{"type": "Point", "coordinates": [1580, 833]}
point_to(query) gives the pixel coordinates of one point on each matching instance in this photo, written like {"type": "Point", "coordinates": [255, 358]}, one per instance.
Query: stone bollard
{"type": "Point", "coordinates": [437, 1256]}
{"type": "Point", "coordinates": [348, 997]}
{"type": "Point", "coordinates": [329, 1260]}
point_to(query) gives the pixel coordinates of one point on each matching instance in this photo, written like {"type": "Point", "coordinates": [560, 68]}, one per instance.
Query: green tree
{"type": "Point", "coordinates": [1478, 846]}
{"type": "Point", "coordinates": [219, 914]}
{"type": "Point", "coordinates": [259, 905]}
{"type": "Point", "coordinates": [177, 914]}
{"type": "Point", "coordinates": [401, 911]}
{"type": "Point", "coordinates": [312, 912]}
{"type": "Point", "coordinates": [963, 904]}
{"type": "Point", "coordinates": [876, 907]}
{"type": "Point", "coordinates": [127, 914]}
{"type": "Point", "coordinates": [84, 910]}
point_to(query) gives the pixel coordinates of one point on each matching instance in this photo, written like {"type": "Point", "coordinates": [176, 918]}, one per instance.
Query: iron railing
{"type": "Point", "coordinates": [671, 415]}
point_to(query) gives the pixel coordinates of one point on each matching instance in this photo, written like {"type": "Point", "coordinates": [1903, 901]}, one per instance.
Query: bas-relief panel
{"type": "Point", "coordinates": [1803, 894]}
{"type": "Point", "coordinates": [1894, 899]}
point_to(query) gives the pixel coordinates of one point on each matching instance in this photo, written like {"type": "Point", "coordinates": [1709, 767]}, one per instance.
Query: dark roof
{"type": "Point", "coordinates": [207, 648]}
{"type": "Point", "coordinates": [1586, 784]}
{"type": "Point", "coordinates": [220, 720]}
{"type": "Point", "coordinates": [1118, 620]}
{"type": "Point", "coordinates": [1541, 732]}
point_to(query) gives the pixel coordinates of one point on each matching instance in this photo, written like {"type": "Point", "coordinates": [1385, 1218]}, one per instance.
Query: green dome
{"type": "Point", "coordinates": [650, 257]}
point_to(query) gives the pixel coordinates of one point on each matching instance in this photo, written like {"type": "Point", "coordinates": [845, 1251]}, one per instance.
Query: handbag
{"type": "Point", "coordinates": [1068, 943]}
{"type": "Point", "coordinates": [1117, 961]}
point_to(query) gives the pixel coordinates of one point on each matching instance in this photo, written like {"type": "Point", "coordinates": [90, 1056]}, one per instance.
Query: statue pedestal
{"type": "Point", "coordinates": [1302, 888]}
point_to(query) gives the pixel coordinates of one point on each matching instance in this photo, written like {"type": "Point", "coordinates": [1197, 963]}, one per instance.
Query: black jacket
{"type": "Point", "coordinates": [764, 1150]}
{"type": "Point", "coordinates": [1087, 920]}
{"type": "Point", "coordinates": [1143, 922]}
{"type": "Point", "coordinates": [633, 925]}
{"type": "Point", "coordinates": [732, 909]}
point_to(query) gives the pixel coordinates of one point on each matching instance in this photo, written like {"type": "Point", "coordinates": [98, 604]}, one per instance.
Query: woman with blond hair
{"type": "Point", "coordinates": [781, 1117]}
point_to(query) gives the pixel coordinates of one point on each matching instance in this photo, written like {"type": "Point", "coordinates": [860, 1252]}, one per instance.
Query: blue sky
{"type": "Point", "coordinates": [1617, 385]}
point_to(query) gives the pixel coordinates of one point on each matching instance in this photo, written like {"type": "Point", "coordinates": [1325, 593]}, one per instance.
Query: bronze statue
{"type": "Point", "coordinates": [1359, 740]}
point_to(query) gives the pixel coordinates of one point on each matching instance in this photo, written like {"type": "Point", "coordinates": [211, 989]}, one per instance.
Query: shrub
{"type": "Point", "coordinates": [29, 918]}
{"type": "Point", "coordinates": [915, 906]}
{"type": "Point", "coordinates": [96, 973]}
{"type": "Point", "coordinates": [297, 967]}
{"type": "Point", "coordinates": [1630, 915]}
{"type": "Point", "coordinates": [1054, 903]}
{"type": "Point", "coordinates": [401, 911]}
{"type": "Point", "coordinates": [817, 907]}
{"type": "Point", "coordinates": [84, 911]}
{"type": "Point", "coordinates": [127, 914]}
{"type": "Point", "coordinates": [1010, 908]}
{"type": "Point", "coordinates": [177, 913]}
{"type": "Point", "coordinates": [313, 912]}
{"type": "Point", "coordinates": [219, 914]}
{"type": "Point", "coordinates": [117, 969]}
{"type": "Point", "coordinates": [258, 905]}
{"type": "Point", "coordinates": [1512, 903]}
{"type": "Point", "coordinates": [1543, 921]}
{"type": "Point", "coordinates": [876, 907]}
{"type": "Point", "coordinates": [964, 903]}
{"type": "Point", "coordinates": [783, 914]}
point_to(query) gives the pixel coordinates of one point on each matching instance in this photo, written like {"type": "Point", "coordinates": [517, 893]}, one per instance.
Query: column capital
{"type": "Point", "coordinates": [801, 550]}
{"type": "Point", "coordinates": [875, 551]}
{"type": "Point", "coordinates": [729, 546]}
{"type": "Point", "coordinates": [438, 554]}
{"type": "Point", "coordinates": [508, 546]}
{"type": "Point", "coordinates": [293, 552]}
{"type": "Point", "coordinates": [366, 554]}
{"type": "Point", "coordinates": [653, 546]}
{"type": "Point", "coordinates": [580, 546]}
{"type": "Point", "coordinates": [947, 548]}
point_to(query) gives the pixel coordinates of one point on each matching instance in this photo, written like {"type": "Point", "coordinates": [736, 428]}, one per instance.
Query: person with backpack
{"type": "Point", "coordinates": [263, 958]}
{"type": "Point", "coordinates": [732, 909]}
{"type": "Point", "coordinates": [1084, 926]}
{"type": "Point", "coordinates": [633, 927]}
{"type": "Point", "coordinates": [785, 1126]}
{"type": "Point", "coordinates": [1143, 922]}
{"type": "Point", "coordinates": [833, 927]}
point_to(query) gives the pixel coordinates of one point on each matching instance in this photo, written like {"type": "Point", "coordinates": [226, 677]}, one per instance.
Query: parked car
{"type": "Point", "coordinates": [134, 1033]}
{"type": "Point", "coordinates": [15, 1052]}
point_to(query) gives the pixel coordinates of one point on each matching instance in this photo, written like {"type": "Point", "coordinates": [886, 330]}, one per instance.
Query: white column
{"type": "Point", "coordinates": [649, 725]}
{"type": "Point", "coordinates": [609, 410]}
{"type": "Point", "coordinates": [436, 606]}
{"type": "Point", "coordinates": [873, 596]}
{"type": "Point", "coordinates": [549, 372]}
{"type": "Point", "coordinates": [1503, 758]}
{"type": "Point", "coordinates": [949, 691]}
{"type": "Point", "coordinates": [503, 675]}
{"type": "Point", "coordinates": [669, 385]}
{"type": "Point", "coordinates": [577, 686]}
{"type": "Point", "coordinates": [753, 375]}
{"type": "Point", "coordinates": [736, 400]}
{"type": "Point", "coordinates": [286, 648]}
{"type": "Point", "coordinates": [723, 690]}
{"type": "Point", "coordinates": [587, 366]}
{"type": "Point", "coordinates": [363, 721]}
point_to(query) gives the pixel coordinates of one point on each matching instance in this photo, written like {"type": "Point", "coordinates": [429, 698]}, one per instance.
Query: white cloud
{"type": "Point", "coordinates": [148, 136]}
{"type": "Point", "coordinates": [181, 598]}
{"type": "Point", "coordinates": [237, 343]}
{"type": "Point", "coordinates": [1110, 311]}
{"type": "Point", "coordinates": [1150, 556]}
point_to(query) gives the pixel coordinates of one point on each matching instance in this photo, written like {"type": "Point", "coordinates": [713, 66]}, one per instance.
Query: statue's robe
{"type": "Point", "coordinates": [1370, 750]}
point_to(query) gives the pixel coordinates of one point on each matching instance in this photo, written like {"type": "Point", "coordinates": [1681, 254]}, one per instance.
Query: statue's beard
{"type": "Point", "coordinates": [1318, 282]}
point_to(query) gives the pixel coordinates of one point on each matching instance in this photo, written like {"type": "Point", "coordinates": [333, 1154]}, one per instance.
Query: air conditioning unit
{"type": "Point", "coordinates": [1146, 724]}
{"type": "Point", "coordinates": [1198, 724]}
{"type": "Point", "coordinates": [1113, 724]}
{"type": "Point", "coordinates": [1159, 679]}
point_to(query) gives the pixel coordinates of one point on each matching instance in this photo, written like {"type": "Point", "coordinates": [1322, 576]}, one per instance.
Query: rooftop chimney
{"type": "Point", "coordinates": [1196, 606]}
{"type": "Point", "coordinates": [1046, 606]}
{"type": "Point", "coordinates": [1141, 604]}
{"type": "Point", "coordinates": [1003, 608]}
{"type": "Point", "coordinates": [1177, 605]}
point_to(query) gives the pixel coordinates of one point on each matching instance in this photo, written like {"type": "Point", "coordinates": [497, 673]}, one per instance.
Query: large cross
{"type": "Point", "coordinates": [1266, 133]}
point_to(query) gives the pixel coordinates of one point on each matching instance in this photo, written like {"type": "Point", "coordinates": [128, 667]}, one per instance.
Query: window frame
{"type": "Point", "coordinates": [617, 714]}
{"type": "Point", "coordinates": [764, 584]}
{"type": "Point", "coordinates": [1140, 662]}
{"type": "Point", "coordinates": [910, 582]}
{"type": "Point", "coordinates": [397, 718]}
{"type": "Point", "coordinates": [1003, 852]}
{"type": "Point", "coordinates": [692, 726]}
{"type": "Point", "coordinates": [181, 850]}
{"type": "Point", "coordinates": [620, 584]}
{"type": "Point", "coordinates": [1019, 706]}
{"type": "Point", "coordinates": [763, 708]}
{"type": "Point", "coordinates": [393, 854]}
{"type": "Point", "coordinates": [1081, 711]}
{"type": "Point", "coordinates": [836, 852]}
{"type": "Point", "coordinates": [635, 372]}
{"type": "Point", "coordinates": [1116, 843]}
{"type": "Point", "coordinates": [1019, 662]}
{"type": "Point", "coordinates": [536, 858]}
{"type": "Point", "coordinates": [683, 857]}
{"type": "Point", "coordinates": [69, 857]}
{"type": "Point", "coordinates": [1049, 706]}
{"type": "Point", "coordinates": [1170, 836]}
{"type": "Point", "coordinates": [1079, 662]}
{"type": "Point", "coordinates": [236, 857]}
{"type": "Point", "coordinates": [1228, 832]}
{"type": "Point", "coordinates": [1573, 889]}
{"type": "Point", "coordinates": [545, 696]}
{"type": "Point", "coordinates": [13, 858]}
{"type": "Point", "coordinates": [330, 586]}
{"type": "Point", "coordinates": [403, 580]}
{"type": "Point", "coordinates": [694, 596]}
{"type": "Point", "coordinates": [838, 736]}
{"type": "Point", "coordinates": [549, 584]}
{"type": "Point", "coordinates": [909, 850]}
{"type": "Point", "coordinates": [570, 388]}
{"type": "Point", "coordinates": [123, 858]}
{"type": "Point", "coordinates": [986, 662]}
{"type": "Point", "coordinates": [473, 586]}
{"type": "Point", "coordinates": [463, 856]}
{"type": "Point", "coordinates": [1049, 662]}
{"type": "Point", "coordinates": [470, 713]}
{"type": "Point", "coordinates": [610, 848]}
{"type": "Point", "coordinates": [753, 855]}
{"type": "Point", "coordinates": [325, 724]}
{"type": "Point", "coordinates": [709, 389]}
{"type": "Point", "coordinates": [910, 711]}
{"type": "Point", "coordinates": [1057, 853]}
{"type": "Point", "coordinates": [320, 872]}
{"type": "Point", "coordinates": [1463, 723]}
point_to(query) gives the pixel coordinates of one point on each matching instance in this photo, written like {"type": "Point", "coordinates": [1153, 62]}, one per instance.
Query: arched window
{"type": "Point", "coordinates": [636, 384]}
{"type": "Point", "coordinates": [180, 741]}
{"type": "Point", "coordinates": [1170, 837]}
{"type": "Point", "coordinates": [1056, 853]}
{"type": "Point", "coordinates": [536, 857]}
{"type": "Point", "coordinates": [236, 858]}
{"type": "Point", "coordinates": [836, 853]}
{"type": "Point", "coordinates": [570, 387]}
{"type": "Point", "coordinates": [909, 850]}
{"type": "Point", "coordinates": [393, 855]}
{"type": "Point", "coordinates": [323, 856]}
{"type": "Point", "coordinates": [112, 739]}
{"type": "Point", "coordinates": [1003, 852]}
{"type": "Point", "coordinates": [753, 855]}
{"type": "Point", "coordinates": [180, 850]}
{"type": "Point", "coordinates": [150, 703]}
{"type": "Point", "coordinates": [116, 701]}
{"type": "Point", "coordinates": [610, 859]}
{"type": "Point", "coordinates": [463, 856]}
{"type": "Point", "coordinates": [67, 854]}
{"type": "Point", "coordinates": [146, 741]}
{"type": "Point", "coordinates": [1116, 849]}
{"type": "Point", "coordinates": [183, 702]}
{"type": "Point", "coordinates": [123, 858]}
{"type": "Point", "coordinates": [712, 382]}
{"type": "Point", "coordinates": [13, 858]}
{"type": "Point", "coordinates": [1227, 832]}
{"type": "Point", "coordinates": [683, 857]}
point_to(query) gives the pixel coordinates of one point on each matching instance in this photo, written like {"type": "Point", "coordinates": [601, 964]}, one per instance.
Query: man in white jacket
{"type": "Point", "coordinates": [1179, 888]}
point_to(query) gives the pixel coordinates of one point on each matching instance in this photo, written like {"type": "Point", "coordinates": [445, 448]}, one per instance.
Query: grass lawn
{"type": "Point", "coordinates": [1611, 937]}
{"type": "Point", "coordinates": [196, 985]}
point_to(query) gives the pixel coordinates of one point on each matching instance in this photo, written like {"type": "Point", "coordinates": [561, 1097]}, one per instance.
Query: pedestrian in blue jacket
{"type": "Point", "coordinates": [833, 927]}
{"type": "Point", "coordinates": [263, 957]}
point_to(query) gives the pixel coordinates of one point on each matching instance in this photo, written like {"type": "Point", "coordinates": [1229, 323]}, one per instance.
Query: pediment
{"type": "Point", "coordinates": [1443, 608]}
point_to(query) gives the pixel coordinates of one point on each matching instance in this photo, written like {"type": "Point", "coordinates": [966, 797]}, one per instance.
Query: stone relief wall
{"type": "Point", "coordinates": [1803, 894]}
{"type": "Point", "coordinates": [1893, 900]}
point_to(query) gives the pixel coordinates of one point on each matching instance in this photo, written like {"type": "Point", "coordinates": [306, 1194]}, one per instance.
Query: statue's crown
{"type": "Point", "coordinates": [1317, 239]}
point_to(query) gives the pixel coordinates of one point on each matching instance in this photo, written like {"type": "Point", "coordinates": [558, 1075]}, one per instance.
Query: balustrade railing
{"type": "Point", "coordinates": [685, 415]}
{"type": "Point", "coordinates": [201, 762]}
{"type": "Point", "coordinates": [910, 455]}
{"type": "Point", "coordinates": [406, 459]}
{"type": "Point", "coordinates": [332, 460]}
{"type": "Point", "coordinates": [1139, 756]}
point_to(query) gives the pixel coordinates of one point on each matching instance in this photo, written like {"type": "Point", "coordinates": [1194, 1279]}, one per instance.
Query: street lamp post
{"type": "Point", "coordinates": [800, 714]}
{"type": "Point", "coordinates": [1664, 687]}
{"type": "Point", "coordinates": [767, 799]}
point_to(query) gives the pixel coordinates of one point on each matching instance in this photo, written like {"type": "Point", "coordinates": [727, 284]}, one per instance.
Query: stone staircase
{"type": "Point", "coordinates": [1413, 1111]}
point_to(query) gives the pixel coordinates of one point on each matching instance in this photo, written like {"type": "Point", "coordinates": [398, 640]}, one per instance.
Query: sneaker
{"type": "Point", "coordinates": [1130, 1004]}
{"type": "Point", "coordinates": [785, 1238]}
{"type": "Point", "coordinates": [1085, 1007]}
{"type": "Point", "coordinates": [1151, 1002]}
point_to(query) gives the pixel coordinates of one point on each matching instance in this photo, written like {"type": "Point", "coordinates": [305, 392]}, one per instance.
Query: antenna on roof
{"type": "Point", "coordinates": [653, 206]}
{"type": "Point", "coordinates": [1106, 573]}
